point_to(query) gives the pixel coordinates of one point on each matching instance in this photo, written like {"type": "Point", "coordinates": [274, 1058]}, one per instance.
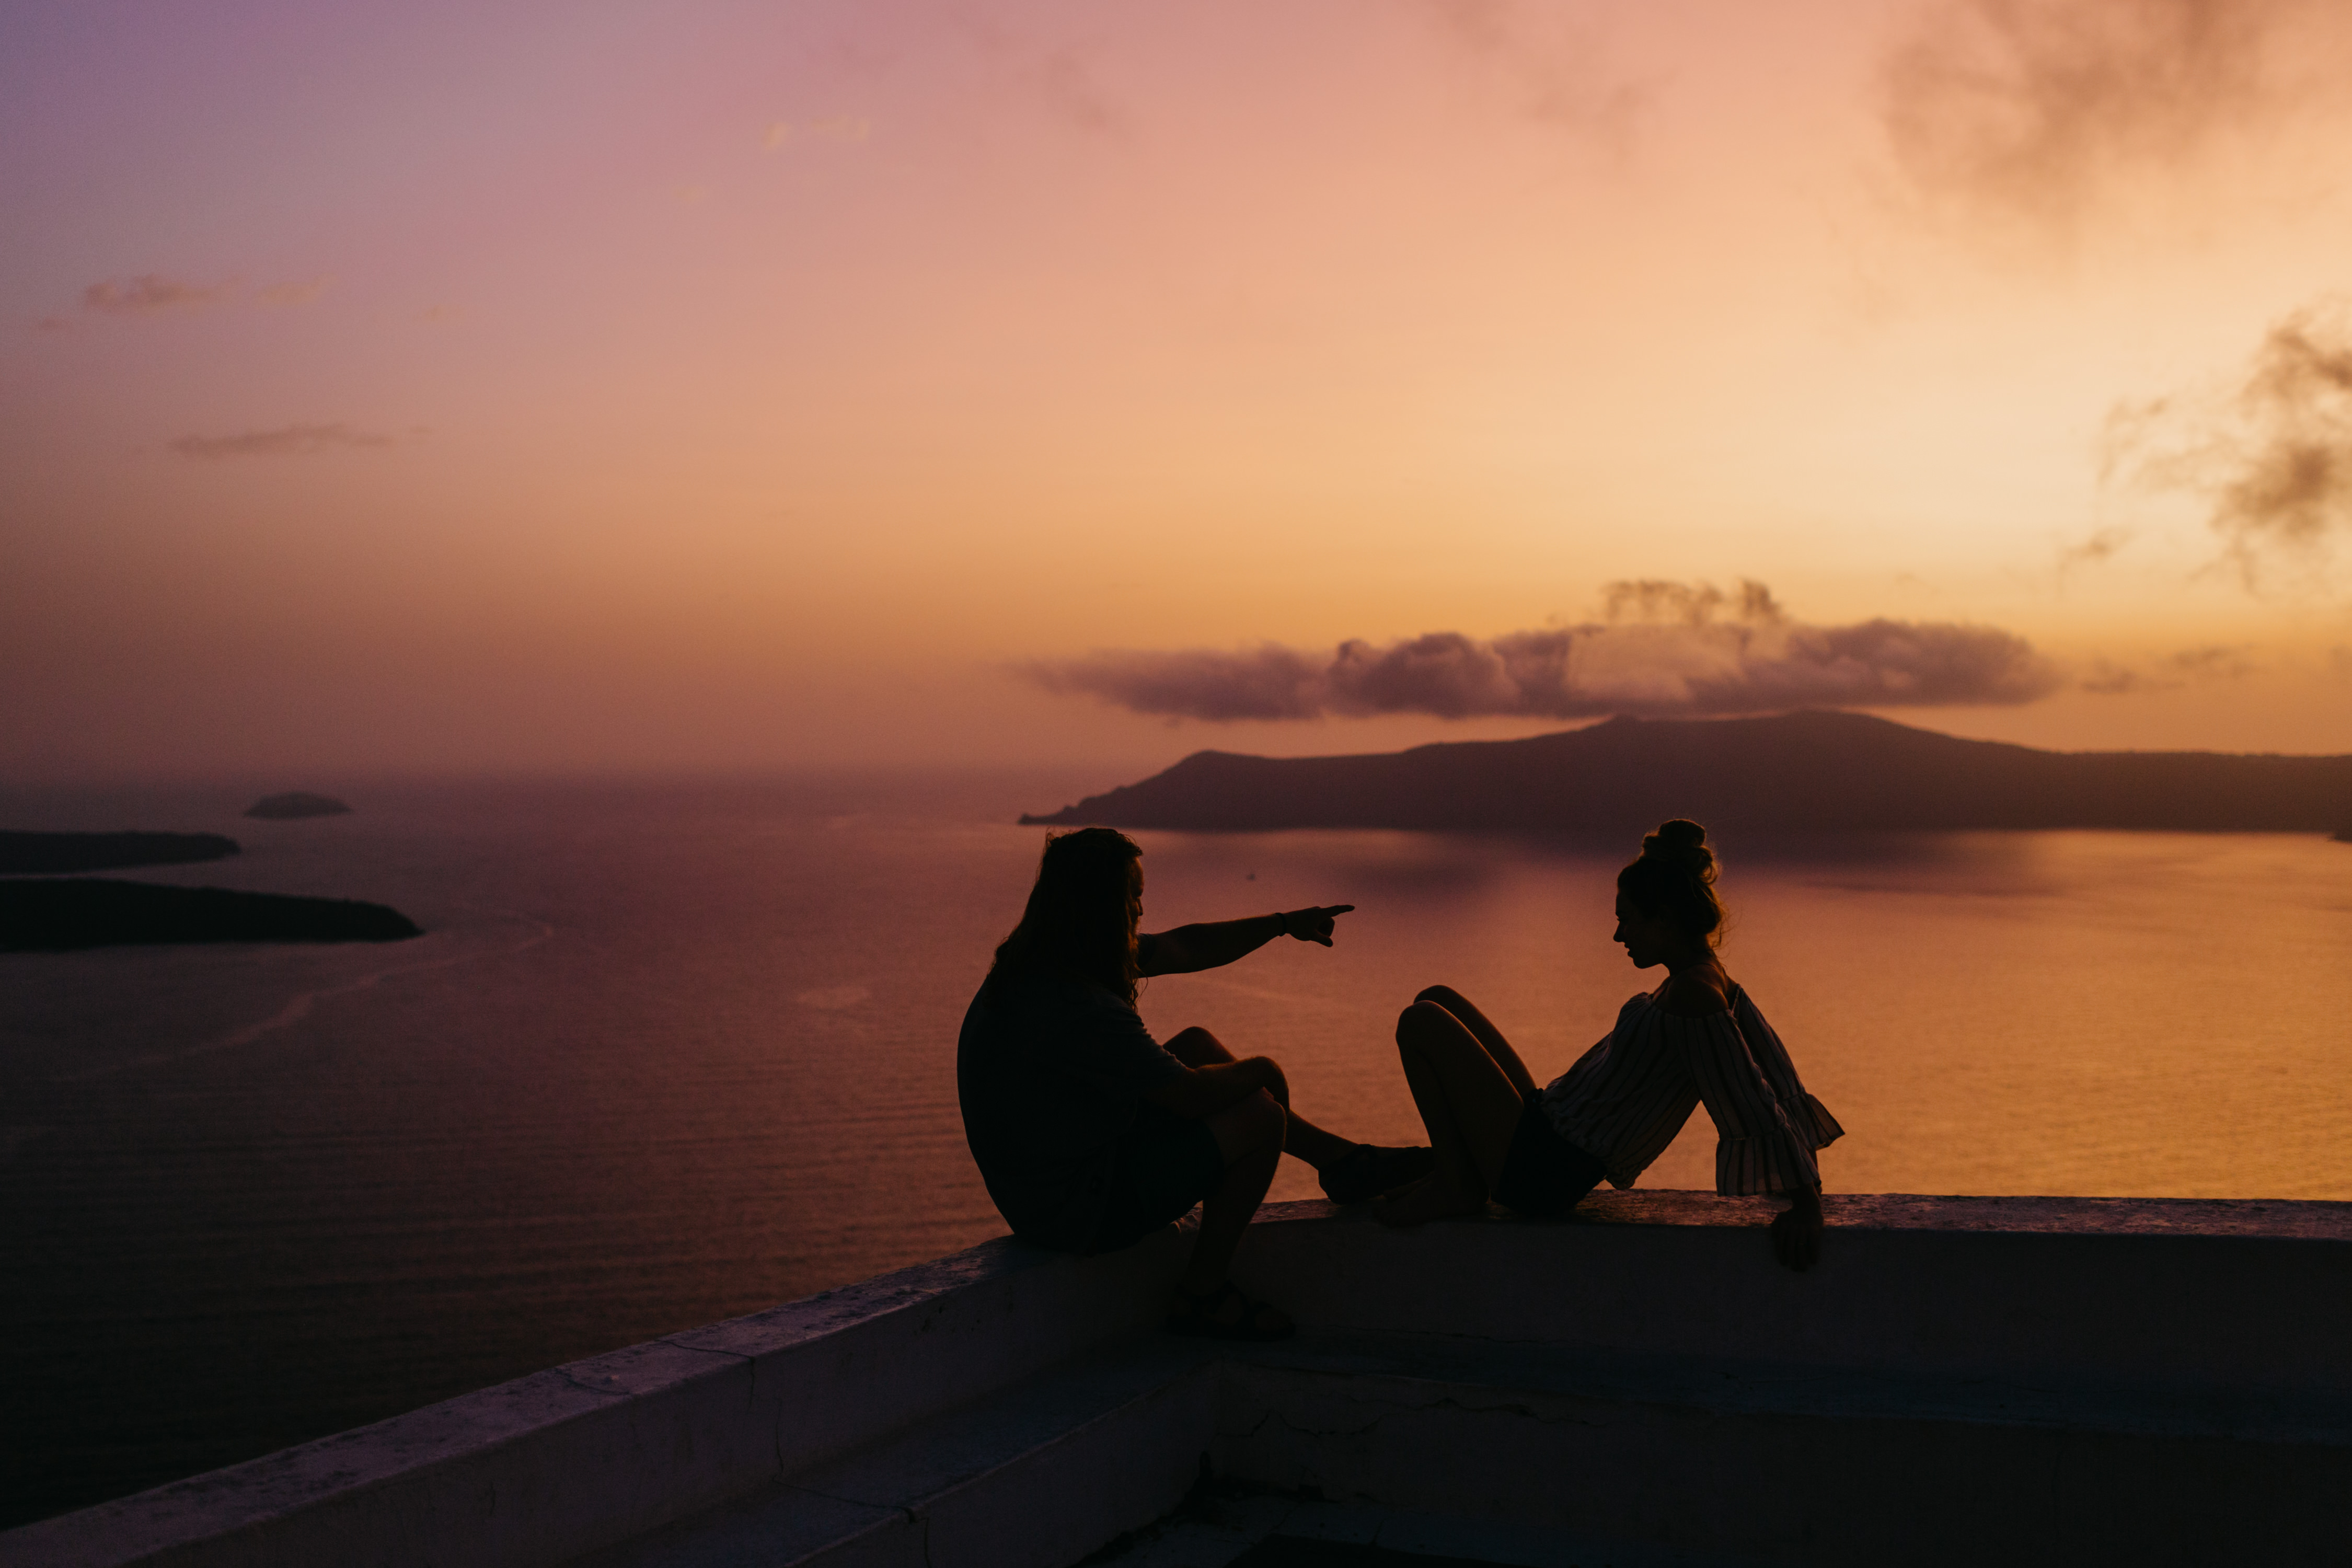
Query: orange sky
{"type": "Point", "coordinates": [581, 386]}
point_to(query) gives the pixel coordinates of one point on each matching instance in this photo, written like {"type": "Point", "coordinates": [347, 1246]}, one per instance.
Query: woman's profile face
{"type": "Point", "coordinates": [1648, 940]}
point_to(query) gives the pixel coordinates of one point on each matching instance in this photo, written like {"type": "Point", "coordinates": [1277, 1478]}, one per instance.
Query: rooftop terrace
{"type": "Point", "coordinates": [1962, 1380]}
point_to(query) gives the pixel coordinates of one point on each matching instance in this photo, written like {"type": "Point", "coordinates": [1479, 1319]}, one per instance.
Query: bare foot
{"type": "Point", "coordinates": [1432, 1197]}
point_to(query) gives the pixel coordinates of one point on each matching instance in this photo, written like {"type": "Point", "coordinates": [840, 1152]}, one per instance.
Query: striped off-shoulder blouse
{"type": "Point", "coordinates": [1627, 1097]}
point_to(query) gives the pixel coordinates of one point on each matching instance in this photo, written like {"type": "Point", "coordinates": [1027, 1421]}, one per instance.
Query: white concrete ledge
{"type": "Point", "coordinates": [950, 1405]}
{"type": "Point", "coordinates": [546, 1467]}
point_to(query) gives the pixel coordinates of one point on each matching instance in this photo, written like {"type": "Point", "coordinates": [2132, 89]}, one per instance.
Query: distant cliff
{"type": "Point", "coordinates": [49, 853]}
{"type": "Point", "coordinates": [1811, 770]}
{"type": "Point", "coordinates": [58, 915]}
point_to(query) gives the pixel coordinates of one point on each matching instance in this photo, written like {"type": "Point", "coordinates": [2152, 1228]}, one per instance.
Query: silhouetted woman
{"type": "Point", "coordinates": [1090, 1135]}
{"type": "Point", "coordinates": [1697, 1038]}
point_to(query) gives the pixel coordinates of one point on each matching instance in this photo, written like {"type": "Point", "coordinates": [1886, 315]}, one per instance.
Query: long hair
{"type": "Point", "coordinates": [1674, 880]}
{"type": "Point", "coordinates": [1079, 920]}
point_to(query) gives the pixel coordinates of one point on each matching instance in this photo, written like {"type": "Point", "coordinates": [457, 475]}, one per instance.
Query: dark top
{"type": "Point", "coordinates": [1051, 1071]}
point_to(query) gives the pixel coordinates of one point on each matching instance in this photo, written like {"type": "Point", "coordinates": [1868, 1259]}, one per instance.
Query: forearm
{"type": "Point", "coordinates": [1206, 1090]}
{"type": "Point", "coordinates": [1208, 944]}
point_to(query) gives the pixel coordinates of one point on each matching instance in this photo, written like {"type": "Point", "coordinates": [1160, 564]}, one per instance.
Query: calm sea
{"type": "Point", "coordinates": [669, 1054]}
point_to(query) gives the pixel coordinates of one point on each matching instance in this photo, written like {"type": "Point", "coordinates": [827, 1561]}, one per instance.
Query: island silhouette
{"type": "Point", "coordinates": [49, 854]}
{"type": "Point", "coordinates": [1806, 770]}
{"type": "Point", "coordinates": [60, 914]}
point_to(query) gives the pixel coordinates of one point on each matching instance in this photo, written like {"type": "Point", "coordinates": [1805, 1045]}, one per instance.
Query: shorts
{"type": "Point", "coordinates": [1165, 1164]}
{"type": "Point", "coordinates": [1543, 1172]}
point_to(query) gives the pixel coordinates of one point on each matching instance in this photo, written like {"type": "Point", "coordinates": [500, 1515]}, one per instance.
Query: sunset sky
{"type": "Point", "coordinates": [621, 386]}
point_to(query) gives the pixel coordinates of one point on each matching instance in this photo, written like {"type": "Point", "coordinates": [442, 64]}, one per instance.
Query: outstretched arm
{"type": "Point", "coordinates": [1188, 949]}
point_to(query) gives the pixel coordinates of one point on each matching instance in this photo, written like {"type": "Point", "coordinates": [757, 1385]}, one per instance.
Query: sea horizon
{"type": "Point", "coordinates": [668, 1052]}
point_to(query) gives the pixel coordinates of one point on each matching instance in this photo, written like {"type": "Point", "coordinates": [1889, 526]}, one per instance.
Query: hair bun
{"type": "Point", "coordinates": [1681, 843]}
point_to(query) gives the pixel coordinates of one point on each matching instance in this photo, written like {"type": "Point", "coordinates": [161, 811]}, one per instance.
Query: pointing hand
{"type": "Point", "coordinates": [1315, 924]}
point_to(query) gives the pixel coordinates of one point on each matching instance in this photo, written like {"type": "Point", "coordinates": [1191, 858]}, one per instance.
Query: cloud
{"type": "Point", "coordinates": [2215, 662]}
{"type": "Point", "coordinates": [150, 294]}
{"type": "Point", "coordinates": [289, 441]}
{"type": "Point", "coordinates": [297, 292]}
{"type": "Point", "coordinates": [2102, 545]}
{"type": "Point", "coordinates": [1070, 90]}
{"type": "Point", "coordinates": [782, 133]}
{"type": "Point", "coordinates": [1692, 604]}
{"type": "Point", "coordinates": [2028, 108]}
{"type": "Point", "coordinates": [1668, 648]}
{"type": "Point", "coordinates": [1547, 63]}
{"type": "Point", "coordinates": [1265, 682]}
{"type": "Point", "coordinates": [2271, 457]}
{"type": "Point", "coordinates": [2289, 475]}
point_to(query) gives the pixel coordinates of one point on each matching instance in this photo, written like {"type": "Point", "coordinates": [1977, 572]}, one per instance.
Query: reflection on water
{"type": "Point", "coordinates": [2091, 1013]}
{"type": "Point", "coordinates": [672, 1054]}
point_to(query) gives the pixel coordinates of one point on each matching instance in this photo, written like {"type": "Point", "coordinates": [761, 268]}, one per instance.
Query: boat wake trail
{"type": "Point", "coordinates": [301, 1005]}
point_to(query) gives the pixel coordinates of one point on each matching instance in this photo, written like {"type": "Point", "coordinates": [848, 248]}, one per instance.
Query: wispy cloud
{"type": "Point", "coordinates": [1547, 62]}
{"type": "Point", "coordinates": [2271, 457]}
{"type": "Point", "coordinates": [287, 441]}
{"type": "Point", "coordinates": [155, 294]}
{"type": "Point", "coordinates": [1664, 648]}
{"type": "Point", "coordinates": [2190, 665]}
{"type": "Point", "coordinates": [300, 291]}
{"type": "Point", "coordinates": [2030, 108]}
{"type": "Point", "coordinates": [2104, 544]}
{"type": "Point", "coordinates": [152, 294]}
{"type": "Point", "coordinates": [846, 128]}
{"type": "Point", "coordinates": [1070, 90]}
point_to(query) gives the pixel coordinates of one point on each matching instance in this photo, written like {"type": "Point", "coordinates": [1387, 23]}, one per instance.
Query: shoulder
{"type": "Point", "coordinates": [1700, 993]}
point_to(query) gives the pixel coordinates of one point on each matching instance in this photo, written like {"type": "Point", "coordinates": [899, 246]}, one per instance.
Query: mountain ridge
{"type": "Point", "coordinates": [1806, 770]}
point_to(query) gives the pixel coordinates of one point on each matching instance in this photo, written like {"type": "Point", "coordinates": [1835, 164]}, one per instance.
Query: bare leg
{"type": "Point", "coordinates": [1491, 1037]}
{"type": "Point", "coordinates": [1197, 1048]}
{"type": "Point", "coordinates": [1249, 1135]}
{"type": "Point", "coordinates": [1470, 1105]}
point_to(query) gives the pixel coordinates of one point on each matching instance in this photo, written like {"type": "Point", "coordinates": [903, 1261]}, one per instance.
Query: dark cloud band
{"type": "Point", "coordinates": [289, 441]}
{"type": "Point", "coordinates": [1683, 656]}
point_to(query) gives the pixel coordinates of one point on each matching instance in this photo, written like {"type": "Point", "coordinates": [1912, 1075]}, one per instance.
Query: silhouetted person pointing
{"type": "Point", "coordinates": [1091, 1135]}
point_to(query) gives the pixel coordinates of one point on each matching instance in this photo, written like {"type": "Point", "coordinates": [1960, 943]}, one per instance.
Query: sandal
{"type": "Point", "coordinates": [1370, 1170]}
{"type": "Point", "coordinates": [1200, 1317]}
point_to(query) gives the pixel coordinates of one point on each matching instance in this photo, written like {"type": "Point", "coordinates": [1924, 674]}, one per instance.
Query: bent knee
{"type": "Point", "coordinates": [1444, 996]}
{"type": "Point", "coordinates": [1259, 1121]}
{"type": "Point", "coordinates": [1422, 1016]}
{"type": "Point", "coordinates": [1195, 1047]}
